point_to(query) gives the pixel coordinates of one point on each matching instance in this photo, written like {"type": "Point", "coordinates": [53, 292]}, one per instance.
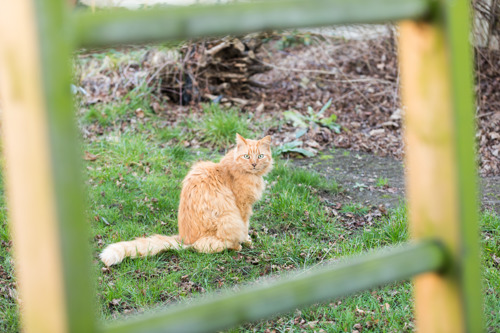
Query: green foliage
{"type": "Point", "coordinates": [9, 321]}
{"type": "Point", "coordinates": [313, 119]}
{"type": "Point", "coordinates": [133, 190]}
{"type": "Point", "coordinates": [355, 208]}
{"type": "Point", "coordinates": [137, 101]}
{"type": "Point", "coordinates": [490, 240]}
{"type": "Point", "coordinates": [293, 147]}
{"type": "Point", "coordinates": [382, 182]}
{"type": "Point", "coordinates": [168, 133]}
{"type": "Point", "coordinates": [293, 39]}
{"type": "Point", "coordinates": [304, 123]}
{"type": "Point", "coordinates": [219, 127]}
{"type": "Point", "coordinates": [300, 176]}
{"type": "Point", "coordinates": [360, 186]}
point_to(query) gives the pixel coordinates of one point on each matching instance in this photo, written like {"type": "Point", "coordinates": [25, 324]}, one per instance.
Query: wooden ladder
{"type": "Point", "coordinates": [43, 168]}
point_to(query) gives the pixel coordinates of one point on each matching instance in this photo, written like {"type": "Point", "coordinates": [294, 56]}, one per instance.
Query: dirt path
{"type": "Point", "coordinates": [373, 180]}
{"type": "Point", "coordinates": [491, 193]}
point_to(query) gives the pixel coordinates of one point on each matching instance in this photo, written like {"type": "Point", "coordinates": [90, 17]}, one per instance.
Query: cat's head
{"type": "Point", "coordinates": [254, 156]}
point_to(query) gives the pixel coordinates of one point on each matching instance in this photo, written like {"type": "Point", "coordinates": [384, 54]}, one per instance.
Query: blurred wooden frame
{"type": "Point", "coordinates": [43, 180]}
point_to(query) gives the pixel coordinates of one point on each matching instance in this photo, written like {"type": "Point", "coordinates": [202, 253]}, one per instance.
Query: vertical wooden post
{"type": "Point", "coordinates": [436, 70]}
{"type": "Point", "coordinates": [44, 190]}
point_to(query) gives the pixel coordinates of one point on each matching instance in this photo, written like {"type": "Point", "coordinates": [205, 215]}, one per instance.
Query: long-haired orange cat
{"type": "Point", "coordinates": [215, 205]}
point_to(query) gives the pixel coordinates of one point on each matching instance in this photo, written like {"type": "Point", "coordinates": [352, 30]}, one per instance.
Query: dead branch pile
{"type": "Point", "coordinates": [486, 23]}
{"type": "Point", "coordinates": [208, 70]}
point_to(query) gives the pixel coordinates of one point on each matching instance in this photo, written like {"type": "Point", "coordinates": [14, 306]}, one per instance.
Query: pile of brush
{"type": "Point", "coordinates": [206, 70]}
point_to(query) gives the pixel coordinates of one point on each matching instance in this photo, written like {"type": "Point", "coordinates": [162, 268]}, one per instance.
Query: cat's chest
{"type": "Point", "coordinates": [248, 190]}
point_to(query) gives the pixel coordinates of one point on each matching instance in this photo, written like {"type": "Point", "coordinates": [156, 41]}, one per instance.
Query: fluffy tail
{"type": "Point", "coordinates": [140, 247]}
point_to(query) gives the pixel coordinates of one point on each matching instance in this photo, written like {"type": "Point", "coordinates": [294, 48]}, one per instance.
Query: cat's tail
{"type": "Point", "coordinates": [140, 247]}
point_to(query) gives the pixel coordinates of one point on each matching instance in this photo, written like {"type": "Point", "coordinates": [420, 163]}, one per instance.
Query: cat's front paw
{"type": "Point", "coordinates": [248, 242]}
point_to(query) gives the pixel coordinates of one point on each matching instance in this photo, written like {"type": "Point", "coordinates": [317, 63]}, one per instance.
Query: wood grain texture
{"type": "Point", "coordinates": [44, 187]}
{"type": "Point", "coordinates": [30, 194]}
{"type": "Point", "coordinates": [180, 22]}
{"type": "Point", "coordinates": [279, 295]}
{"type": "Point", "coordinates": [458, 33]}
{"type": "Point", "coordinates": [433, 182]}
{"type": "Point", "coordinates": [45, 201]}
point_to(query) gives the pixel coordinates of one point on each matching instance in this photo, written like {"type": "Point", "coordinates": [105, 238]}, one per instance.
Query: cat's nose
{"type": "Point", "coordinates": [254, 164]}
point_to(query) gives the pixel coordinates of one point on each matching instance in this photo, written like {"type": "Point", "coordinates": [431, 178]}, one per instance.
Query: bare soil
{"type": "Point", "coordinates": [360, 175]}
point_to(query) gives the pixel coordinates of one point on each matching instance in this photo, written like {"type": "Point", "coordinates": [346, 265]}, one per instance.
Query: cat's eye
{"type": "Point", "coordinates": [260, 156]}
{"type": "Point", "coordinates": [246, 156]}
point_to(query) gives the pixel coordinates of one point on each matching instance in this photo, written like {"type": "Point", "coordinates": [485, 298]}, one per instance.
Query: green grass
{"type": "Point", "coordinates": [112, 114]}
{"type": "Point", "coordinates": [303, 177]}
{"type": "Point", "coordinates": [133, 189]}
{"type": "Point", "coordinates": [491, 269]}
{"type": "Point", "coordinates": [355, 208]}
{"type": "Point", "coordinates": [382, 182]}
{"type": "Point", "coordinates": [218, 127]}
{"type": "Point", "coordinates": [9, 321]}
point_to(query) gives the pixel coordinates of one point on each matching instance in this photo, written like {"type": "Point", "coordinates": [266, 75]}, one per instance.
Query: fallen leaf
{"type": "Point", "coordinates": [496, 259]}
{"type": "Point", "coordinates": [139, 113]}
{"type": "Point", "coordinates": [382, 209]}
{"type": "Point", "coordinates": [115, 301]}
{"type": "Point", "coordinates": [259, 108]}
{"type": "Point", "coordinates": [90, 157]}
{"type": "Point", "coordinates": [376, 132]}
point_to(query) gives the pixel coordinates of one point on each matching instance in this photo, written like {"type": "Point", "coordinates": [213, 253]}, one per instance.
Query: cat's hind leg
{"type": "Point", "coordinates": [211, 244]}
{"type": "Point", "coordinates": [230, 232]}
{"type": "Point", "coordinates": [248, 242]}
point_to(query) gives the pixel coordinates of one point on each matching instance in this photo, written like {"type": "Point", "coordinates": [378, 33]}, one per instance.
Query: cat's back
{"type": "Point", "coordinates": [203, 172]}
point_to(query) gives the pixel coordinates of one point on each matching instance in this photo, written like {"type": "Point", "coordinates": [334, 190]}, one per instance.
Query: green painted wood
{"type": "Point", "coordinates": [457, 20]}
{"type": "Point", "coordinates": [124, 26]}
{"type": "Point", "coordinates": [305, 288]}
{"type": "Point", "coordinates": [56, 47]}
{"type": "Point", "coordinates": [437, 90]}
{"type": "Point", "coordinates": [114, 27]}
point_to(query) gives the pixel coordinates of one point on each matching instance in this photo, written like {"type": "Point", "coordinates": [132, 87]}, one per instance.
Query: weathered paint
{"type": "Point", "coordinates": [44, 188]}
{"type": "Point", "coordinates": [440, 170]}
{"type": "Point", "coordinates": [123, 26]}
{"type": "Point", "coordinates": [255, 303]}
{"type": "Point", "coordinates": [43, 169]}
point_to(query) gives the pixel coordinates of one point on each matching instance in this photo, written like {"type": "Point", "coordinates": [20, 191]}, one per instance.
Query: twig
{"type": "Point", "coordinates": [104, 220]}
{"type": "Point", "coordinates": [316, 71]}
{"type": "Point", "coordinates": [486, 114]}
{"type": "Point", "coordinates": [157, 72]}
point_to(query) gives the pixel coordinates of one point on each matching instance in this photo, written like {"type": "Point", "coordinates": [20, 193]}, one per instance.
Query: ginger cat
{"type": "Point", "coordinates": [215, 205]}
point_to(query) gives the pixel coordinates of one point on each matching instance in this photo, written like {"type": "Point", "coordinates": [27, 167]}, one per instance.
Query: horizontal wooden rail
{"type": "Point", "coordinates": [317, 285]}
{"type": "Point", "coordinates": [124, 26]}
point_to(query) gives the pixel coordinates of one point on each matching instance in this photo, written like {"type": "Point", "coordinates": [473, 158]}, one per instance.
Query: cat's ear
{"type": "Point", "coordinates": [266, 142]}
{"type": "Point", "coordinates": [240, 141]}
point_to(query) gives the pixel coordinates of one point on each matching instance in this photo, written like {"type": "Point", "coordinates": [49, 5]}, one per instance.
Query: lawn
{"type": "Point", "coordinates": [133, 173]}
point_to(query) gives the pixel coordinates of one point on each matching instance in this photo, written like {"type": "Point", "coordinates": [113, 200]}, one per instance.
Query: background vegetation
{"type": "Point", "coordinates": [133, 180]}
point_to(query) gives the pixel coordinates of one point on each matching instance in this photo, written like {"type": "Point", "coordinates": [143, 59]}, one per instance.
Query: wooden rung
{"type": "Point", "coordinates": [329, 282]}
{"type": "Point", "coordinates": [43, 183]}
